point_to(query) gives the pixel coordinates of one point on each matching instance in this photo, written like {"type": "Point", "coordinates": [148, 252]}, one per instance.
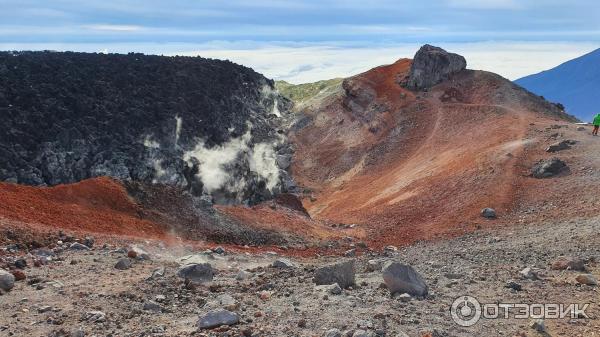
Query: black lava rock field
{"type": "Point", "coordinates": [205, 125]}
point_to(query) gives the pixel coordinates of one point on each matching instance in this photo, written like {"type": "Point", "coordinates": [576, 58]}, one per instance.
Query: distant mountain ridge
{"type": "Point", "coordinates": [575, 84]}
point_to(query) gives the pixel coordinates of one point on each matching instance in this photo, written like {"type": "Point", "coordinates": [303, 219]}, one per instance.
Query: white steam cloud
{"type": "Point", "coordinates": [177, 128]}
{"type": "Point", "coordinates": [264, 163]}
{"type": "Point", "coordinates": [214, 162]}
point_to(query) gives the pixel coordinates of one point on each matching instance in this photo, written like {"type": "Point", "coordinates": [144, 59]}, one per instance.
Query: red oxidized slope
{"type": "Point", "coordinates": [98, 205]}
{"type": "Point", "coordinates": [412, 166]}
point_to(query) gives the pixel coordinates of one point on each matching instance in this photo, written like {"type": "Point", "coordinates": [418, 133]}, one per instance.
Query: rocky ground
{"type": "Point", "coordinates": [81, 292]}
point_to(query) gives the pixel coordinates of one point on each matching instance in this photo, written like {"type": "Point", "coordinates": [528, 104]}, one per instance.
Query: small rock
{"type": "Point", "coordinates": [333, 289]}
{"type": "Point", "coordinates": [529, 274]}
{"type": "Point", "coordinates": [21, 263]}
{"type": "Point", "coordinates": [559, 146]}
{"type": "Point", "coordinates": [264, 295]}
{"type": "Point", "coordinates": [217, 318]}
{"type": "Point", "coordinates": [123, 264]}
{"type": "Point", "coordinates": [94, 317]}
{"type": "Point", "coordinates": [390, 249]}
{"type": "Point", "coordinates": [44, 309]}
{"type": "Point", "coordinates": [158, 272]}
{"type": "Point", "coordinates": [341, 273]}
{"type": "Point", "coordinates": [332, 333]}
{"type": "Point", "coordinates": [242, 275]}
{"type": "Point", "coordinates": [78, 246]}
{"type": "Point", "coordinates": [139, 253]}
{"type": "Point", "coordinates": [89, 241]}
{"type": "Point", "coordinates": [587, 279]}
{"type": "Point", "coordinates": [513, 285]}
{"type": "Point", "coordinates": [360, 333]}
{"type": "Point", "coordinates": [219, 250]}
{"type": "Point", "coordinates": [538, 325]}
{"type": "Point", "coordinates": [400, 278]}
{"type": "Point", "coordinates": [132, 254]}
{"type": "Point", "coordinates": [548, 168]}
{"type": "Point", "coordinates": [228, 302]}
{"type": "Point", "coordinates": [152, 306]}
{"type": "Point", "coordinates": [196, 272]}
{"type": "Point", "coordinates": [568, 263]}
{"type": "Point", "coordinates": [488, 213]}
{"type": "Point", "coordinates": [375, 264]}
{"type": "Point", "coordinates": [7, 280]}
{"type": "Point", "coordinates": [78, 333]}
{"type": "Point", "coordinates": [19, 275]}
{"type": "Point", "coordinates": [350, 253]}
{"type": "Point", "coordinates": [283, 263]}
{"type": "Point", "coordinates": [405, 297]}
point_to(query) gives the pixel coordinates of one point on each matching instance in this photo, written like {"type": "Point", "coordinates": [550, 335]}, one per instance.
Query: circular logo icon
{"type": "Point", "coordinates": [466, 311]}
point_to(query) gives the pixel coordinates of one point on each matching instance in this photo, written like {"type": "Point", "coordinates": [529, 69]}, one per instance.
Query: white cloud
{"type": "Point", "coordinates": [309, 63]}
{"type": "Point", "coordinates": [114, 28]}
{"type": "Point", "coordinates": [304, 62]}
{"type": "Point", "coordinates": [485, 4]}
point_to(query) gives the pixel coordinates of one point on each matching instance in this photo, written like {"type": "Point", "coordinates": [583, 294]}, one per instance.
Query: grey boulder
{"type": "Point", "coordinates": [196, 272]}
{"type": "Point", "coordinates": [559, 146]}
{"type": "Point", "coordinates": [217, 318]}
{"type": "Point", "coordinates": [341, 273]}
{"type": "Point", "coordinates": [432, 65]}
{"type": "Point", "coordinates": [78, 246]}
{"type": "Point", "coordinates": [123, 264]}
{"type": "Point", "coordinates": [548, 168]}
{"type": "Point", "coordinates": [7, 280]}
{"type": "Point", "coordinates": [401, 278]}
{"type": "Point", "coordinates": [283, 263]}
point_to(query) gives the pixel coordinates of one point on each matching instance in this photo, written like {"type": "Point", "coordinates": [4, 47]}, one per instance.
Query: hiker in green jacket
{"type": "Point", "coordinates": [596, 124]}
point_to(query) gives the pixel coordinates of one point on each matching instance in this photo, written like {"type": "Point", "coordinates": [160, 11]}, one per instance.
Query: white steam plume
{"type": "Point", "coordinates": [213, 163]}
{"type": "Point", "coordinates": [177, 128]}
{"type": "Point", "coordinates": [264, 162]}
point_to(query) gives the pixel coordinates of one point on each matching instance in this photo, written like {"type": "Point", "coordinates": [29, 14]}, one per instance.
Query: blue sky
{"type": "Point", "coordinates": [303, 41]}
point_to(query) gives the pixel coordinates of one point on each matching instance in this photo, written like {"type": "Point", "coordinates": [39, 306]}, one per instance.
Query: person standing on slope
{"type": "Point", "coordinates": [596, 124]}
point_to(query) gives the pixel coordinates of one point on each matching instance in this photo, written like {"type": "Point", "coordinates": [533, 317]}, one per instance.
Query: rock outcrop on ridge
{"type": "Point", "coordinates": [433, 65]}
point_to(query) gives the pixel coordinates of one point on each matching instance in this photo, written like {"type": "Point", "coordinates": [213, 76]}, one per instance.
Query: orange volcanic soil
{"type": "Point", "coordinates": [98, 205]}
{"type": "Point", "coordinates": [410, 166]}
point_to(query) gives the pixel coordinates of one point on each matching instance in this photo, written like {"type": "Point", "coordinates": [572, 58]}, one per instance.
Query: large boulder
{"type": "Point", "coordinates": [341, 273]}
{"type": "Point", "coordinates": [432, 65]}
{"type": "Point", "coordinates": [548, 168]}
{"type": "Point", "coordinates": [196, 272]}
{"type": "Point", "coordinates": [401, 278]}
{"type": "Point", "coordinates": [7, 280]}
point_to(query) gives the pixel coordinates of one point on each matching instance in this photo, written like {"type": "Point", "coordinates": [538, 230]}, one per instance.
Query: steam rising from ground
{"type": "Point", "coordinates": [217, 165]}
{"type": "Point", "coordinates": [264, 163]}
{"type": "Point", "coordinates": [178, 122]}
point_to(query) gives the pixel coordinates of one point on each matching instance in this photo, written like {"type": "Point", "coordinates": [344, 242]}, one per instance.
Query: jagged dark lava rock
{"type": "Point", "coordinates": [209, 126]}
{"type": "Point", "coordinates": [432, 65]}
